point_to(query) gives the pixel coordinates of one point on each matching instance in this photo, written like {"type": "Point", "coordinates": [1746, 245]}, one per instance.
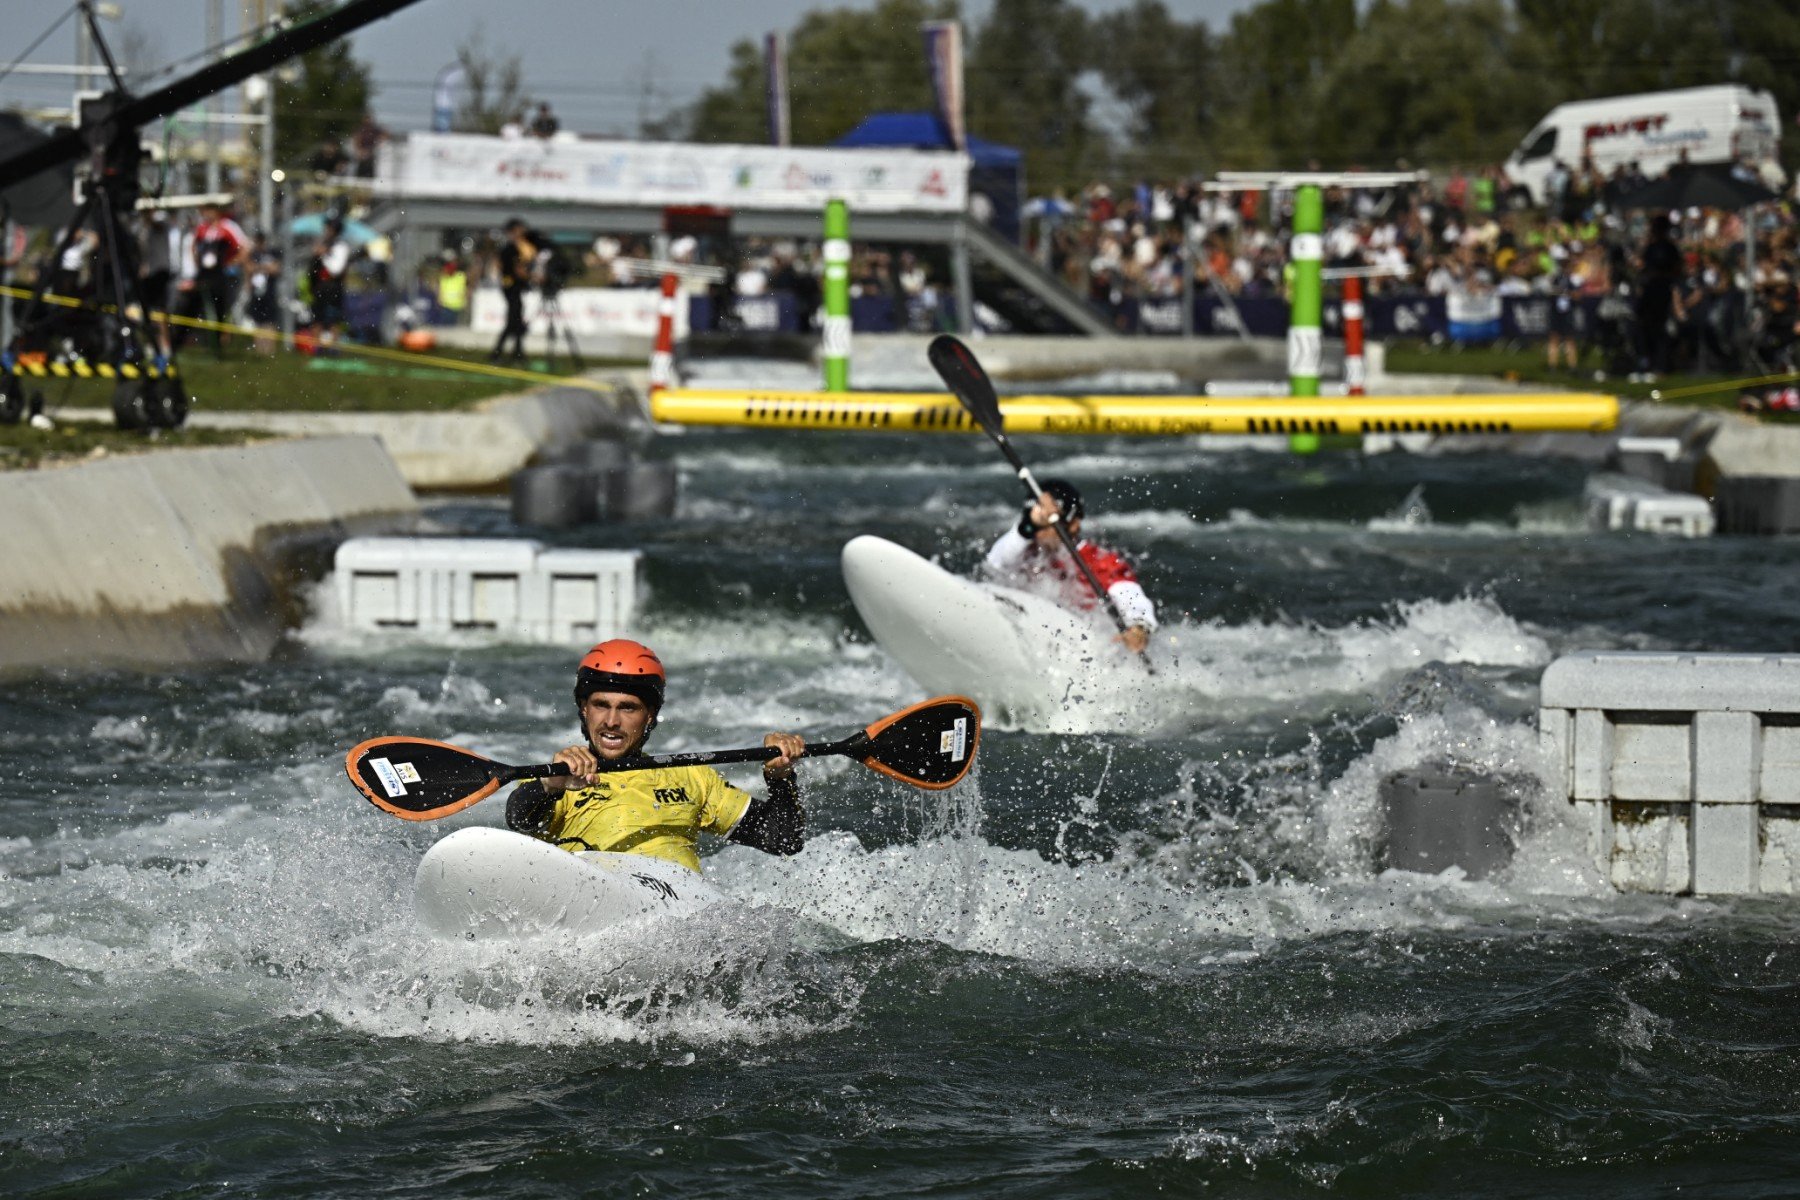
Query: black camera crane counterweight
{"type": "Point", "coordinates": [149, 392]}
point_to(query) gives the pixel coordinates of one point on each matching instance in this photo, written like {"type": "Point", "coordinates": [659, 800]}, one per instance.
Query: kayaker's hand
{"type": "Point", "coordinates": [1045, 510]}
{"type": "Point", "coordinates": [582, 765]}
{"type": "Point", "coordinates": [792, 747]}
{"type": "Point", "coordinates": [1136, 639]}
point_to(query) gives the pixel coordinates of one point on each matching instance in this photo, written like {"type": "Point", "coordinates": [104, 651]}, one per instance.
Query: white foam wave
{"type": "Point", "coordinates": [302, 906]}
{"type": "Point", "coordinates": [1213, 671]}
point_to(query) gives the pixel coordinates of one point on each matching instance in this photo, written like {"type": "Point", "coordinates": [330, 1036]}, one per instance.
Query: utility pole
{"type": "Point", "coordinates": [215, 30]}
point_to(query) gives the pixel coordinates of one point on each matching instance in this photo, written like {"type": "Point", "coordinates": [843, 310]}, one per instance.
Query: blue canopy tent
{"type": "Point", "coordinates": [998, 171]}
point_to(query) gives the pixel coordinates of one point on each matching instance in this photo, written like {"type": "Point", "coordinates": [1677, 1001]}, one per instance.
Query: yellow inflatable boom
{"type": "Point", "coordinates": [939, 412]}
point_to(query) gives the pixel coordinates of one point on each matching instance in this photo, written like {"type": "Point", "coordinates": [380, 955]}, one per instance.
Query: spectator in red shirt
{"type": "Point", "coordinates": [217, 253]}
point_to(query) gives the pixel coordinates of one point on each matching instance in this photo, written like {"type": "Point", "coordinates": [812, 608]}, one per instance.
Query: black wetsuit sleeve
{"type": "Point", "coordinates": [776, 822]}
{"type": "Point", "coordinates": [528, 808]}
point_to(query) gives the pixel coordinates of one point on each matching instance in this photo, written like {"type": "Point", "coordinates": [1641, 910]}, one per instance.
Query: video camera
{"type": "Point", "coordinates": [555, 268]}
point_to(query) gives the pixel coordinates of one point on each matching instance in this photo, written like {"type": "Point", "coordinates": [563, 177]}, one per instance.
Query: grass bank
{"type": "Point", "coordinates": [1527, 365]}
{"type": "Point", "coordinates": [284, 381]}
{"type": "Point", "coordinates": [23, 448]}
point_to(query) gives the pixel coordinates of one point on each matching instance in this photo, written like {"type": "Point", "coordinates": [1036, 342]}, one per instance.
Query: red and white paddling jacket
{"type": "Point", "coordinates": [1018, 557]}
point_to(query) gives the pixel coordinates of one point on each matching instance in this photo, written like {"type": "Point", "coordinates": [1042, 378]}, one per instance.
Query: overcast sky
{"type": "Point", "coordinates": [601, 63]}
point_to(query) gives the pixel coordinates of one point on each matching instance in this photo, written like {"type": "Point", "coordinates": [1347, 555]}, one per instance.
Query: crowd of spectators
{"type": "Point", "coordinates": [1470, 236]}
{"type": "Point", "coordinates": [1652, 291]}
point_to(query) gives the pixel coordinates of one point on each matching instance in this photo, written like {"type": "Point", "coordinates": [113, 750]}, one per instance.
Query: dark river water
{"type": "Point", "coordinates": [1146, 951]}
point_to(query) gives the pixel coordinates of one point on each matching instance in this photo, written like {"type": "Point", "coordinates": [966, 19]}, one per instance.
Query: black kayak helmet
{"type": "Point", "coordinates": [1067, 497]}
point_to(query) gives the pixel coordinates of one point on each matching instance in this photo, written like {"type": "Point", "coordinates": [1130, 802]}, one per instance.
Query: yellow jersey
{"type": "Point", "coordinates": [660, 811]}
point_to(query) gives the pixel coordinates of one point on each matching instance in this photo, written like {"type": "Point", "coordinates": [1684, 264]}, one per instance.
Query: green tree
{"type": "Point", "coordinates": [321, 96]}
{"type": "Point", "coordinates": [1436, 82]}
{"type": "Point", "coordinates": [493, 88]}
{"type": "Point", "coordinates": [1025, 90]}
{"type": "Point", "coordinates": [1763, 51]}
{"type": "Point", "coordinates": [1163, 71]}
{"type": "Point", "coordinates": [1270, 64]}
{"type": "Point", "coordinates": [843, 64]}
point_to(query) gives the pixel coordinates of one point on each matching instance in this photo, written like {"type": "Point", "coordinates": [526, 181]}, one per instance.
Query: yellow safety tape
{"type": "Point", "coordinates": [1730, 385]}
{"type": "Point", "coordinates": [355, 348]}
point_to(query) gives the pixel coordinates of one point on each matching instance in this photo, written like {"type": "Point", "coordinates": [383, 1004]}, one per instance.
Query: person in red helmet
{"type": "Point", "coordinates": [659, 811]}
{"type": "Point", "coordinates": [1033, 554]}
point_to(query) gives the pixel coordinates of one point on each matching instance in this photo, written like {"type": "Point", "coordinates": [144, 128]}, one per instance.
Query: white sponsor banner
{"type": "Point", "coordinates": [630, 311]}
{"type": "Point", "coordinates": [657, 174]}
{"type": "Point", "coordinates": [1472, 306]}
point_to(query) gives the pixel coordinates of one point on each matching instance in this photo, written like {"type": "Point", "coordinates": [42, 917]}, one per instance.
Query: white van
{"type": "Point", "coordinates": [1713, 124]}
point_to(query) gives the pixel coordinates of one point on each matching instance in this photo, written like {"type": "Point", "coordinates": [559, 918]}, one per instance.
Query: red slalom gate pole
{"type": "Point", "coordinates": [662, 358]}
{"type": "Point", "coordinates": [1354, 373]}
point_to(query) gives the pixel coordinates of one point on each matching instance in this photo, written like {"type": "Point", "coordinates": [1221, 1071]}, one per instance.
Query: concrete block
{"type": "Point", "coordinates": [1614, 501]}
{"type": "Point", "coordinates": [512, 586]}
{"type": "Point", "coordinates": [1727, 757]}
{"type": "Point", "coordinates": [1434, 820]}
{"type": "Point", "coordinates": [1723, 849]}
{"type": "Point", "coordinates": [1650, 761]}
{"type": "Point", "coordinates": [1674, 515]}
{"type": "Point", "coordinates": [1660, 461]}
{"type": "Point", "coordinates": [1672, 681]}
{"type": "Point", "coordinates": [555, 497]}
{"type": "Point", "coordinates": [1593, 756]}
{"type": "Point", "coordinates": [1765, 504]}
{"type": "Point", "coordinates": [1688, 763]}
{"type": "Point", "coordinates": [596, 454]}
{"type": "Point", "coordinates": [1780, 783]}
{"type": "Point", "coordinates": [642, 491]}
{"type": "Point", "coordinates": [1647, 848]}
{"type": "Point", "coordinates": [1780, 839]}
{"type": "Point", "coordinates": [589, 595]}
{"type": "Point", "coordinates": [1556, 738]}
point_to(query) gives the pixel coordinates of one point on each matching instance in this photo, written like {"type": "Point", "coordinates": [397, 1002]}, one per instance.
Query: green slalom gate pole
{"type": "Point", "coordinates": [1306, 252]}
{"type": "Point", "coordinates": [837, 296]}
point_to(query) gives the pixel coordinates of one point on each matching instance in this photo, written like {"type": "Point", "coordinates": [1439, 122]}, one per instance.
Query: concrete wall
{"type": "Point", "coordinates": [1743, 447]}
{"type": "Point", "coordinates": [178, 556]}
{"type": "Point", "coordinates": [473, 449]}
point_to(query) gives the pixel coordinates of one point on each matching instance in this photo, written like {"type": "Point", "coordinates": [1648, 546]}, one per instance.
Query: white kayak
{"type": "Point", "coordinates": [1024, 659]}
{"type": "Point", "coordinates": [482, 882]}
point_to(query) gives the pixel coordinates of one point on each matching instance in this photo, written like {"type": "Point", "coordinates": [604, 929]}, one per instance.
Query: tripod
{"type": "Point", "coordinates": [90, 337]}
{"type": "Point", "coordinates": [551, 310]}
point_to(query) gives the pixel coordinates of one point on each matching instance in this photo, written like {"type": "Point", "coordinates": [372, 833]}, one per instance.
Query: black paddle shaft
{"type": "Point", "coordinates": [693, 758]}
{"type": "Point", "coordinates": [957, 366]}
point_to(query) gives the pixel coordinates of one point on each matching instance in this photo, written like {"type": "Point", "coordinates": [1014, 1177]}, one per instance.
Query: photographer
{"type": "Point", "coordinates": [515, 265]}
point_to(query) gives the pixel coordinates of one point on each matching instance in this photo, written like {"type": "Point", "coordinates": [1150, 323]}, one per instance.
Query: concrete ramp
{"type": "Point", "coordinates": [175, 557]}
{"type": "Point", "coordinates": [1035, 287]}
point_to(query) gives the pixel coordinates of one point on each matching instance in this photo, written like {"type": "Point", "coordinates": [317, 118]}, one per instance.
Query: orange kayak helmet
{"type": "Point", "coordinates": [622, 665]}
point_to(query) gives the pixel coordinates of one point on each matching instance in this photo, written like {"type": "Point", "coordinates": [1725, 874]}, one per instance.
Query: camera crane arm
{"type": "Point", "coordinates": [129, 112]}
{"type": "Point", "coordinates": [149, 393]}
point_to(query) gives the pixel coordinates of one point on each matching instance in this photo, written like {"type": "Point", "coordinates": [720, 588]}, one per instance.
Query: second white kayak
{"type": "Point", "coordinates": [1025, 660]}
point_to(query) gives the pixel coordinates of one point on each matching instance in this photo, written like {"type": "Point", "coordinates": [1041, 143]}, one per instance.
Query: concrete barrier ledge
{"type": "Point", "coordinates": [179, 556]}
{"type": "Point", "coordinates": [474, 449]}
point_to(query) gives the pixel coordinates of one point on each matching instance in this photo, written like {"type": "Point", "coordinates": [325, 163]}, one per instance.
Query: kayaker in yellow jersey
{"type": "Point", "coordinates": [659, 811]}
